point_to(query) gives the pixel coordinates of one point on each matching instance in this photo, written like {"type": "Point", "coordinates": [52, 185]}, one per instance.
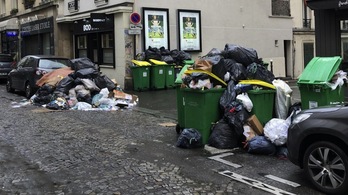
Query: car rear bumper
{"type": "Point", "coordinates": [4, 73]}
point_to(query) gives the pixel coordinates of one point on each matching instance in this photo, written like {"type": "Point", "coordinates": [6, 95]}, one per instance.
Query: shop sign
{"type": "Point", "coordinates": [343, 3]}
{"type": "Point", "coordinates": [11, 33]}
{"type": "Point", "coordinates": [36, 27]}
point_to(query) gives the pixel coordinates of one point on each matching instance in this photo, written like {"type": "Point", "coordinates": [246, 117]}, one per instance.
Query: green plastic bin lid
{"type": "Point", "coordinates": [178, 78]}
{"type": "Point", "coordinates": [320, 70]}
{"type": "Point", "coordinates": [189, 62]}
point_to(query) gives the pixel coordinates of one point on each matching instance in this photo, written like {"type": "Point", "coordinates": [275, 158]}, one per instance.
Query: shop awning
{"type": "Point", "coordinates": [113, 10]}
{"type": "Point", "coordinates": [327, 4]}
{"type": "Point", "coordinates": [10, 24]}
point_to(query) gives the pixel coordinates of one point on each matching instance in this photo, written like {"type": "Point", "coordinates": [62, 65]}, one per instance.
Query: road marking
{"type": "Point", "coordinates": [281, 180]}
{"type": "Point", "coordinates": [219, 159]}
{"type": "Point", "coordinates": [255, 183]}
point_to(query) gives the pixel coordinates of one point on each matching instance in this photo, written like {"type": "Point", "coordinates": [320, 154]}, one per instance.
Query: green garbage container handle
{"type": "Point", "coordinates": [206, 72]}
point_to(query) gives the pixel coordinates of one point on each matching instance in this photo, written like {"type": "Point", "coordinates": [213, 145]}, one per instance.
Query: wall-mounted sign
{"type": "Point", "coordinates": [135, 18]}
{"type": "Point", "coordinates": [73, 6]}
{"type": "Point", "coordinates": [136, 26]}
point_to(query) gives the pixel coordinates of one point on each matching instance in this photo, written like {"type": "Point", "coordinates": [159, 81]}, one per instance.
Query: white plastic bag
{"type": "Point", "coordinates": [247, 103]}
{"type": "Point", "coordinates": [282, 99]}
{"type": "Point", "coordinates": [340, 80]}
{"type": "Point", "coordinates": [276, 130]}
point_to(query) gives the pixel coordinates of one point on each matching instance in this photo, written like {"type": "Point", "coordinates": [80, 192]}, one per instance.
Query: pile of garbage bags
{"type": "Point", "coordinates": [80, 87]}
{"type": "Point", "coordinates": [170, 57]}
{"type": "Point", "coordinates": [226, 68]}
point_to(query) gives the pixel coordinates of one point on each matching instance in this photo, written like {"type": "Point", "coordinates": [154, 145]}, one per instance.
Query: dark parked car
{"type": "Point", "coordinates": [318, 143]}
{"type": "Point", "coordinates": [30, 69]}
{"type": "Point", "coordinates": [6, 65]}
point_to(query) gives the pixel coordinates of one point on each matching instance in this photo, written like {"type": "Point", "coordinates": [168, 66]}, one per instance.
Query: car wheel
{"type": "Point", "coordinates": [28, 90]}
{"type": "Point", "coordinates": [9, 86]}
{"type": "Point", "coordinates": [326, 166]}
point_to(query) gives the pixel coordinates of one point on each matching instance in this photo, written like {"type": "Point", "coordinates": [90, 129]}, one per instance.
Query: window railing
{"type": "Point", "coordinates": [28, 3]}
{"type": "Point", "coordinates": [307, 23]}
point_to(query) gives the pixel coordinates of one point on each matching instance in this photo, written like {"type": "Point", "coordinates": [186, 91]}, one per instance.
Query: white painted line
{"type": "Point", "coordinates": [219, 159]}
{"type": "Point", "coordinates": [284, 181]}
{"type": "Point", "coordinates": [255, 183]}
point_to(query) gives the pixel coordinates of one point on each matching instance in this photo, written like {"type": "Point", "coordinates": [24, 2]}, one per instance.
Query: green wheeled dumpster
{"type": "Point", "coordinates": [141, 78]}
{"type": "Point", "coordinates": [201, 109]}
{"type": "Point", "coordinates": [157, 77]}
{"type": "Point", "coordinates": [179, 100]}
{"type": "Point", "coordinates": [313, 86]}
{"type": "Point", "coordinates": [170, 76]}
{"type": "Point", "coordinates": [263, 103]}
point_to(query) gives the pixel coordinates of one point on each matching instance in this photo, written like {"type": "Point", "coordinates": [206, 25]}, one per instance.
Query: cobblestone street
{"type": "Point", "coordinates": [74, 152]}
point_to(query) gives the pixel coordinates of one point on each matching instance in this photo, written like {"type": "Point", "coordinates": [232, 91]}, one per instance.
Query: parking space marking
{"type": "Point", "coordinates": [219, 159]}
{"type": "Point", "coordinates": [255, 183]}
{"type": "Point", "coordinates": [281, 180]}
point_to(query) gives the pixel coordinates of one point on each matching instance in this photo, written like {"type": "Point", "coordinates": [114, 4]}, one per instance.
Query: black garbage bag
{"type": "Point", "coordinates": [261, 145]}
{"type": "Point", "coordinates": [237, 70]}
{"type": "Point", "coordinates": [195, 77]}
{"type": "Point", "coordinates": [189, 138]}
{"type": "Point", "coordinates": [179, 56]}
{"type": "Point", "coordinates": [64, 86]}
{"type": "Point", "coordinates": [168, 59]}
{"type": "Point", "coordinates": [236, 115]}
{"type": "Point", "coordinates": [214, 52]}
{"type": "Point", "coordinates": [81, 63]}
{"type": "Point", "coordinates": [218, 67]}
{"type": "Point", "coordinates": [102, 81]}
{"type": "Point", "coordinates": [140, 56]}
{"type": "Point", "coordinates": [152, 53]}
{"type": "Point", "coordinates": [41, 100]}
{"type": "Point", "coordinates": [229, 95]}
{"type": "Point", "coordinates": [164, 51]}
{"type": "Point", "coordinates": [87, 73]}
{"type": "Point", "coordinates": [241, 54]}
{"type": "Point", "coordinates": [259, 72]}
{"type": "Point", "coordinates": [223, 136]}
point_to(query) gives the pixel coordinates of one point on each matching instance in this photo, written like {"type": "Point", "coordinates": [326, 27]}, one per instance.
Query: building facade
{"type": "Point", "coordinates": [112, 32]}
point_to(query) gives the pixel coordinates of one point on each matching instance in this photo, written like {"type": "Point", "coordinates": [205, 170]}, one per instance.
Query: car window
{"type": "Point", "coordinates": [5, 58]}
{"type": "Point", "coordinates": [30, 62]}
{"type": "Point", "coordinates": [22, 62]}
{"type": "Point", "coordinates": [54, 63]}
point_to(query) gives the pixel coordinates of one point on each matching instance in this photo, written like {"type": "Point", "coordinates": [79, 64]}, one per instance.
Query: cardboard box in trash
{"type": "Point", "coordinates": [255, 124]}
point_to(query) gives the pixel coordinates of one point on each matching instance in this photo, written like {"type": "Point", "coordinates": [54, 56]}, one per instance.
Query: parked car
{"type": "Point", "coordinates": [6, 65]}
{"type": "Point", "coordinates": [30, 69]}
{"type": "Point", "coordinates": [318, 142]}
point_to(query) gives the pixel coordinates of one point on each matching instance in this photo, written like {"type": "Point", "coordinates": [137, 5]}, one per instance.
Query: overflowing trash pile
{"type": "Point", "coordinates": [239, 70]}
{"type": "Point", "coordinates": [162, 54]}
{"type": "Point", "coordinates": [81, 87]}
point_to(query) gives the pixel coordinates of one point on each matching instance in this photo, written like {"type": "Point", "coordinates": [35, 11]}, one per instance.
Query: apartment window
{"type": "Point", "coordinates": [308, 53]}
{"type": "Point", "coordinates": [107, 47]}
{"type": "Point", "coordinates": [281, 7]}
